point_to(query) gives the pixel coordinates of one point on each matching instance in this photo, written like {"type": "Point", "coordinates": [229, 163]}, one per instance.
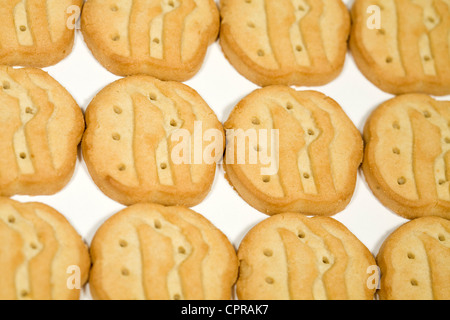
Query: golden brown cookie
{"type": "Point", "coordinates": [407, 155]}
{"type": "Point", "coordinates": [401, 46]}
{"type": "Point", "coordinates": [148, 251]}
{"type": "Point", "coordinates": [41, 255]}
{"type": "Point", "coordinates": [37, 33]}
{"type": "Point", "coordinates": [40, 127]}
{"type": "Point", "coordinates": [296, 42]}
{"type": "Point", "coordinates": [311, 167]}
{"type": "Point", "coordinates": [292, 257]}
{"type": "Point", "coordinates": [136, 130]}
{"type": "Point", "coordinates": [415, 261]}
{"type": "Point", "coordinates": [167, 39]}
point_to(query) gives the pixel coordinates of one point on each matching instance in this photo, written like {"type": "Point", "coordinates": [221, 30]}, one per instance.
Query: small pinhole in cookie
{"type": "Point", "coordinates": [115, 37]}
{"type": "Point", "coordinates": [171, 3]}
{"type": "Point", "coordinates": [441, 182]}
{"type": "Point", "coordinates": [269, 280]}
{"type": "Point", "coordinates": [22, 155]}
{"type": "Point", "coordinates": [396, 125]}
{"type": "Point", "coordinates": [176, 296]}
{"type": "Point", "coordinates": [257, 148]}
{"type": "Point", "coordinates": [23, 293]}
{"type": "Point", "coordinates": [289, 106]}
{"type": "Point", "coordinates": [173, 123]}
{"type": "Point", "coordinates": [325, 260]}
{"type": "Point", "coordinates": [123, 243]}
{"type": "Point", "coordinates": [396, 151]}
{"type": "Point", "coordinates": [156, 40]}
{"type": "Point", "coordinates": [414, 282]}
{"type": "Point", "coordinates": [301, 235]}
{"type": "Point", "coordinates": [299, 48]}
{"type": "Point", "coordinates": [301, 8]}
{"type": "Point", "coordinates": [29, 110]}
{"type": "Point", "coordinates": [447, 140]}
{"type": "Point", "coordinates": [116, 136]}
{"type": "Point", "coordinates": [23, 28]}
{"type": "Point", "coordinates": [401, 181]}
{"type": "Point", "coordinates": [11, 219]}
{"type": "Point", "coordinates": [382, 32]}
{"type": "Point", "coordinates": [33, 246]}
{"type": "Point", "coordinates": [121, 167]}
{"type": "Point", "coordinates": [163, 166]}
{"type": "Point", "coordinates": [157, 224]}
{"type": "Point", "coordinates": [389, 60]}
{"type": "Point", "coordinates": [427, 114]}
{"type": "Point", "coordinates": [441, 237]}
{"type": "Point", "coordinates": [152, 97]}
{"type": "Point", "coordinates": [306, 175]}
{"type": "Point", "coordinates": [6, 85]}
{"type": "Point", "coordinates": [114, 8]}
{"type": "Point", "coordinates": [427, 58]}
{"type": "Point", "coordinates": [117, 110]}
{"type": "Point", "coordinates": [310, 132]}
{"type": "Point", "coordinates": [266, 179]}
{"type": "Point", "coordinates": [411, 256]}
{"type": "Point", "coordinates": [181, 250]}
{"type": "Point", "coordinates": [431, 19]}
{"type": "Point", "coordinates": [256, 121]}
{"type": "Point", "coordinates": [248, 1]}
{"type": "Point", "coordinates": [250, 25]}
{"type": "Point", "coordinates": [268, 252]}
{"type": "Point", "coordinates": [260, 53]}
{"type": "Point", "coordinates": [125, 272]}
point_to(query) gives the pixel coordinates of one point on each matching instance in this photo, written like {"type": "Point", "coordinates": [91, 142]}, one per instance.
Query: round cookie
{"type": "Point", "coordinates": [37, 33]}
{"type": "Point", "coordinates": [42, 256]}
{"type": "Point", "coordinates": [407, 155]}
{"type": "Point", "coordinates": [166, 39]}
{"type": "Point", "coordinates": [292, 257]}
{"type": "Point", "coordinates": [281, 42]}
{"type": "Point", "coordinates": [137, 128]}
{"type": "Point", "coordinates": [415, 261]}
{"type": "Point", "coordinates": [301, 152]}
{"type": "Point", "coordinates": [151, 252]}
{"type": "Point", "coordinates": [41, 126]}
{"type": "Point", "coordinates": [402, 46]}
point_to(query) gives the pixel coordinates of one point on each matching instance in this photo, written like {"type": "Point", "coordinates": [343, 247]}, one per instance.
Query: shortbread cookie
{"type": "Point", "coordinates": [37, 33]}
{"type": "Point", "coordinates": [167, 39]}
{"type": "Point", "coordinates": [296, 42]}
{"type": "Point", "coordinates": [292, 257]}
{"type": "Point", "coordinates": [151, 252]}
{"type": "Point", "coordinates": [40, 127]}
{"type": "Point", "coordinates": [313, 167]}
{"type": "Point", "coordinates": [415, 261]}
{"type": "Point", "coordinates": [403, 46]}
{"type": "Point", "coordinates": [407, 155]}
{"type": "Point", "coordinates": [137, 128]}
{"type": "Point", "coordinates": [41, 255]}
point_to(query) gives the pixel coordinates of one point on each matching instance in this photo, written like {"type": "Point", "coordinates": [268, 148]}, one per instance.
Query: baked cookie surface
{"type": "Point", "coordinates": [301, 152]}
{"type": "Point", "coordinates": [415, 261]}
{"type": "Point", "coordinates": [407, 155]}
{"type": "Point", "coordinates": [292, 257]}
{"type": "Point", "coordinates": [407, 52]}
{"type": "Point", "coordinates": [41, 126]}
{"type": "Point", "coordinates": [166, 39]}
{"type": "Point", "coordinates": [40, 251]}
{"type": "Point", "coordinates": [285, 42]}
{"type": "Point", "coordinates": [37, 33]}
{"type": "Point", "coordinates": [132, 142]}
{"type": "Point", "coordinates": [152, 252]}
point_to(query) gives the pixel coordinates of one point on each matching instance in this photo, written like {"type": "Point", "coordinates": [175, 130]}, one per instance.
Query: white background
{"type": "Point", "coordinates": [86, 207]}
